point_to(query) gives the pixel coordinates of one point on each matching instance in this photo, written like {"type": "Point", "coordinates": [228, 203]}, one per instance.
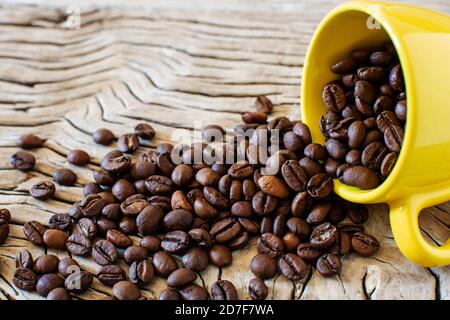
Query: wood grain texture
{"type": "Point", "coordinates": [170, 63]}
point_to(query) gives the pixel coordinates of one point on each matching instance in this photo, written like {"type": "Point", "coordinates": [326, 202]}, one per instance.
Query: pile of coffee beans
{"type": "Point", "coordinates": [198, 212]}
{"type": "Point", "coordinates": [365, 120]}
{"type": "Point", "coordinates": [5, 216]}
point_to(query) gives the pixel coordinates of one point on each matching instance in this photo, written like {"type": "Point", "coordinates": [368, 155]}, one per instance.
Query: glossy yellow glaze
{"type": "Point", "coordinates": [421, 177]}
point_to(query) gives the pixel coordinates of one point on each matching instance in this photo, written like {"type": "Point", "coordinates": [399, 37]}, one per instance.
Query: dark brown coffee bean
{"type": "Point", "coordinates": [315, 152]}
{"type": "Point", "coordinates": [333, 97]}
{"type": "Point", "coordinates": [273, 186]}
{"type": "Point", "coordinates": [203, 209]}
{"type": "Point", "coordinates": [257, 289]}
{"type": "Point", "coordinates": [59, 294]}
{"type": "Point", "coordinates": [126, 290]}
{"type": "Point", "coordinates": [225, 230]}
{"type": "Point", "coordinates": [119, 164]}
{"type": "Point", "coordinates": [361, 177]}
{"type": "Point", "coordinates": [364, 244]}
{"type": "Point", "coordinates": [223, 290]}
{"type": "Point", "coordinates": [123, 189]}
{"type": "Point", "coordinates": [160, 201]}
{"type": "Point", "coordinates": [292, 267]}
{"type": "Point", "coordinates": [47, 263]}
{"type": "Point", "coordinates": [344, 66]}
{"type": "Point", "coordinates": [23, 160]}
{"type": "Point", "coordinates": [388, 163]}
{"type": "Point", "coordinates": [200, 237]}
{"type": "Point", "coordinates": [86, 227]}
{"type": "Point", "coordinates": [78, 282]}
{"type": "Point", "coordinates": [396, 78]}
{"type": "Point", "coordinates": [181, 277]}
{"type": "Point", "coordinates": [151, 243]}
{"type": "Point", "coordinates": [290, 242]}
{"type": "Point", "coordinates": [292, 142]}
{"type": "Point", "coordinates": [282, 124]}
{"type": "Point", "coordinates": [400, 110]}
{"type": "Point", "coordinates": [43, 190]}
{"type": "Point", "coordinates": [220, 256]}
{"type": "Point", "coordinates": [387, 119]}
{"type": "Point", "coordinates": [381, 58]}
{"type": "Point", "coordinates": [330, 166]}
{"type": "Point", "coordinates": [141, 272]}
{"type": "Point", "coordinates": [65, 177]}
{"type": "Point", "coordinates": [103, 136]}
{"type": "Point", "coordinates": [383, 103]}
{"type": "Point", "coordinates": [78, 244]}
{"type": "Point", "coordinates": [214, 197]}
{"type": "Point", "coordinates": [336, 149]}
{"type": "Point", "coordinates": [254, 117]}
{"type": "Point", "coordinates": [104, 252]}
{"type": "Point", "coordinates": [294, 175]}
{"type": "Point", "coordinates": [55, 238]}
{"type": "Point", "coordinates": [179, 201]}
{"type": "Point", "coordinates": [353, 157]}
{"type": "Point", "coordinates": [263, 104]}
{"type": "Point", "coordinates": [193, 292]}
{"type": "Point", "coordinates": [134, 205]}
{"type": "Point", "coordinates": [29, 141]}
{"type": "Point", "coordinates": [34, 232]}
{"type": "Point", "coordinates": [128, 143]}
{"type": "Point", "coordinates": [264, 204]}
{"type": "Point", "coordinates": [165, 164]}
{"type": "Point", "coordinates": [329, 265]}
{"type": "Point", "coordinates": [159, 185]}
{"type": "Point", "coordinates": [24, 259]}
{"type": "Point", "coordinates": [67, 266]}
{"type": "Point", "coordinates": [111, 274]}
{"type": "Point", "coordinates": [75, 212]}
{"type": "Point", "coordinates": [320, 186]}
{"type": "Point", "coordinates": [242, 209]}
{"type": "Point", "coordinates": [373, 155]}
{"type": "Point", "coordinates": [302, 131]}
{"type": "Point", "coordinates": [241, 170]}
{"type": "Point", "coordinates": [169, 294]}
{"type": "Point", "coordinates": [104, 225]}
{"type": "Point", "coordinates": [118, 239]}
{"type": "Point", "coordinates": [143, 169]}
{"type": "Point", "coordinates": [164, 264]}
{"type": "Point", "coordinates": [144, 131]}
{"type": "Point", "coordinates": [195, 259]}
{"type": "Point", "coordinates": [299, 203]}
{"type": "Point", "coordinates": [47, 283]}
{"type": "Point", "coordinates": [356, 134]}
{"type": "Point", "coordinates": [78, 157]}
{"type": "Point", "coordinates": [311, 167]}
{"type": "Point", "coordinates": [393, 138]}
{"type": "Point", "coordinates": [308, 253]}
{"type": "Point", "coordinates": [103, 178]}
{"type": "Point", "coordinates": [25, 279]}
{"type": "Point", "coordinates": [372, 74]}
{"type": "Point", "coordinates": [372, 136]}
{"type": "Point", "coordinates": [279, 224]}
{"type": "Point", "coordinates": [318, 212]}
{"type": "Point", "coordinates": [92, 205]}
{"type": "Point", "coordinates": [182, 175]}
{"type": "Point", "coordinates": [323, 235]}
{"type": "Point", "coordinates": [178, 219]}
{"type": "Point", "coordinates": [176, 242]}
{"type": "Point", "coordinates": [91, 188]}
{"type": "Point", "coordinates": [263, 266]}
{"type": "Point", "coordinates": [365, 94]}
{"type": "Point", "coordinates": [270, 244]}
{"type": "Point", "coordinates": [61, 221]}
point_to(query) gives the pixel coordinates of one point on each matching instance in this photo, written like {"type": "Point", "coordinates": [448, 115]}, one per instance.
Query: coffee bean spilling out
{"type": "Point", "coordinates": [365, 120]}
{"type": "Point", "coordinates": [200, 213]}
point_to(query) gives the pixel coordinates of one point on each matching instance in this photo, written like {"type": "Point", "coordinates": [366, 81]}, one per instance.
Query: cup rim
{"type": "Point", "coordinates": [372, 9]}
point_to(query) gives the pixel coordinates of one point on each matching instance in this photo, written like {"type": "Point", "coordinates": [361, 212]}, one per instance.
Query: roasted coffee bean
{"type": "Point", "coordinates": [290, 242]}
{"type": "Point", "coordinates": [299, 203]}
{"type": "Point", "coordinates": [104, 252]}
{"type": "Point", "coordinates": [400, 110]}
{"type": "Point", "coordinates": [364, 244]}
{"type": "Point", "coordinates": [292, 267]}
{"type": "Point", "coordinates": [264, 204]}
{"type": "Point", "coordinates": [193, 292]}
{"type": "Point", "coordinates": [254, 117]}
{"type": "Point", "coordinates": [249, 225]}
{"type": "Point", "coordinates": [273, 186]}
{"type": "Point", "coordinates": [165, 164]}
{"type": "Point", "coordinates": [292, 142]}
{"type": "Point", "coordinates": [349, 80]}
{"type": "Point", "coordinates": [182, 175]}
{"type": "Point", "coordinates": [118, 239]}
{"type": "Point", "coordinates": [65, 177]}
{"type": "Point", "coordinates": [128, 225]}
{"type": "Point", "coordinates": [330, 166]}
{"type": "Point", "coordinates": [161, 202]}
{"type": "Point", "coordinates": [181, 277]}
{"type": "Point", "coordinates": [195, 259]}
{"type": "Point", "coordinates": [122, 189]}
{"type": "Point", "coordinates": [241, 170]}
{"type": "Point", "coordinates": [388, 163]}
{"type": "Point", "coordinates": [141, 272]}
{"type": "Point", "coordinates": [242, 209]}
{"type": "Point", "coordinates": [159, 185]}
{"type": "Point", "coordinates": [134, 205]}
{"type": "Point", "coordinates": [119, 164]}
{"type": "Point", "coordinates": [294, 175]}
{"type": "Point", "coordinates": [169, 294]}
{"type": "Point", "coordinates": [333, 97]}
{"type": "Point", "coordinates": [225, 230]}
{"type": "Point", "coordinates": [43, 190]}
{"type": "Point", "coordinates": [315, 152]}
{"type": "Point", "coordinates": [24, 259]}
{"type": "Point", "coordinates": [353, 157]}
{"type": "Point", "coordinates": [47, 263]}
{"type": "Point", "coordinates": [92, 205]}
{"type": "Point", "coordinates": [311, 167]}
{"type": "Point", "coordinates": [323, 235]}
{"type": "Point", "coordinates": [4, 230]}
{"type": "Point", "coordinates": [179, 201]}
{"type": "Point", "coordinates": [214, 197]}
{"type": "Point", "coordinates": [103, 178]}
{"type": "Point", "coordinates": [298, 227]}
{"type": "Point", "coordinates": [59, 294]}
{"type": "Point", "coordinates": [344, 66]}
{"type": "Point", "coordinates": [126, 290]}
{"type": "Point", "coordinates": [178, 219]}
{"type": "Point", "coordinates": [109, 275]}
{"type": "Point", "coordinates": [144, 131]}
{"type": "Point", "coordinates": [78, 282]}
{"type": "Point", "coordinates": [372, 74]}
{"type": "Point", "coordinates": [176, 242]}
{"type": "Point", "coordinates": [282, 124]}
{"type": "Point", "coordinates": [329, 265]}
{"type": "Point", "coordinates": [86, 227]}
{"type": "Point", "coordinates": [320, 186]}
{"type": "Point", "coordinates": [387, 119]}
{"type": "Point", "coordinates": [104, 225]}
{"type": "Point", "coordinates": [220, 256]}
{"type": "Point", "coordinates": [149, 220]}
{"type": "Point", "coordinates": [263, 104]}
{"type": "Point", "coordinates": [135, 253]}
{"type": "Point", "coordinates": [396, 78]}
{"type": "Point", "coordinates": [236, 191]}
{"type": "Point", "coordinates": [258, 289]}
{"type": "Point", "coordinates": [240, 241]}
{"type": "Point", "coordinates": [213, 133]}
{"type": "Point", "coordinates": [142, 169]}
{"type": "Point", "coordinates": [112, 212]}
{"type": "Point", "coordinates": [55, 238]}
{"type": "Point", "coordinates": [164, 264]}
{"type": "Point", "coordinates": [393, 138]}
{"type": "Point", "coordinates": [47, 283]}
{"type": "Point", "coordinates": [91, 188]}
{"type": "Point", "coordinates": [381, 58]}
{"type": "Point", "coordinates": [279, 224]}
{"type": "Point", "coordinates": [383, 103]}
{"type": "Point", "coordinates": [373, 155]}
{"type": "Point", "coordinates": [336, 149]}
{"type": "Point", "coordinates": [25, 279]}
{"type": "Point", "coordinates": [203, 209]}
{"type": "Point", "coordinates": [78, 157]}
{"type": "Point", "coordinates": [308, 253]}
{"type": "Point", "coordinates": [103, 136]}
{"type": "Point", "coordinates": [151, 243]}
{"type": "Point", "coordinates": [78, 244]}
{"type": "Point", "coordinates": [263, 266]}
{"type": "Point", "coordinates": [356, 134]}
{"type": "Point", "coordinates": [34, 232]}
{"type": "Point", "coordinates": [270, 244]}
{"type": "Point", "coordinates": [360, 177]}
{"type": "Point", "coordinates": [128, 143]}
{"type": "Point", "coordinates": [29, 141]}
{"type": "Point", "coordinates": [67, 266]}
{"type": "Point", "coordinates": [223, 290]}
{"type": "Point", "coordinates": [23, 160]}
{"type": "Point", "coordinates": [200, 237]}
{"type": "Point", "coordinates": [318, 212]}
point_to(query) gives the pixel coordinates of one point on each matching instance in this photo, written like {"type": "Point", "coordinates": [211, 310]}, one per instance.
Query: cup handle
{"type": "Point", "coordinates": [404, 217]}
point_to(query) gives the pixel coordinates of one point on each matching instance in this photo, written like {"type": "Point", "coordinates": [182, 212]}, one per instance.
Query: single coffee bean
{"type": "Point", "coordinates": [387, 119]}
{"type": "Point", "coordinates": [4, 230]}
{"type": "Point", "coordinates": [47, 283]}
{"type": "Point", "coordinates": [78, 157]}
{"type": "Point", "coordinates": [91, 188]}
{"type": "Point", "coordinates": [318, 213]}
{"type": "Point", "coordinates": [294, 175]}
{"type": "Point", "coordinates": [128, 225]}
{"type": "Point", "coordinates": [141, 272]}
{"type": "Point", "coordinates": [165, 164]}
{"type": "Point", "coordinates": [292, 142]}
{"type": "Point", "coordinates": [112, 212]}
{"type": "Point", "coordinates": [242, 209]}
{"type": "Point", "coordinates": [361, 177]}
{"type": "Point", "coordinates": [65, 177]}
{"type": "Point", "coordinates": [400, 110]}
{"type": "Point", "coordinates": [223, 290]}
{"type": "Point", "coordinates": [258, 289]}
{"type": "Point", "coordinates": [103, 178]}
{"type": "Point", "coordinates": [135, 253]}
{"type": "Point", "coordinates": [336, 149]}
{"type": "Point", "coordinates": [122, 189]}
{"type": "Point", "coordinates": [263, 104]}
{"type": "Point", "coordinates": [270, 244]}
{"type": "Point", "coordinates": [67, 266]}
{"type": "Point", "coordinates": [34, 232]}
{"type": "Point", "coordinates": [241, 170]}
{"type": "Point", "coordinates": [118, 238]}
{"type": "Point", "coordinates": [181, 277]}
{"type": "Point", "coordinates": [320, 186]}
{"type": "Point", "coordinates": [333, 97]}
{"type": "Point", "coordinates": [103, 136]}
{"type": "Point", "coordinates": [353, 157]}
{"type": "Point", "coordinates": [164, 264]}
{"type": "Point", "coordinates": [119, 164]}
{"type": "Point", "coordinates": [23, 161]}
{"type": "Point", "coordinates": [47, 263]}
{"type": "Point", "coordinates": [150, 220]}
{"type": "Point", "coordinates": [383, 103]}
{"type": "Point", "coordinates": [396, 78]}
{"type": "Point", "coordinates": [25, 279]}
{"type": "Point", "coordinates": [264, 204]}
{"type": "Point", "coordinates": [178, 219]}
{"type": "Point", "coordinates": [393, 138]}
{"type": "Point", "coordinates": [86, 227]}
{"type": "Point", "coordinates": [126, 290]}
{"type": "Point", "coordinates": [182, 175]}
{"type": "Point", "coordinates": [109, 275]}
{"type": "Point", "coordinates": [143, 169]}
{"type": "Point", "coordinates": [308, 253]}
{"type": "Point", "coordinates": [344, 66]}
{"type": "Point", "coordinates": [254, 117]}
{"type": "Point", "coordinates": [311, 167]}
{"type": "Point", "coordinates": [220, 256]}
{"type": "Point", "coordinates": [371, 74]}
{"type": "Point", "coordinates": [203, 209]}
{"type": "Point", "coordinates": [55, 238]}
{"type": "Point", "coordinates": [290, 242]}
{"type": "Point", "coordinates": [128, 143]}
{"type": "Point", "coordinates": [159, 185]}
{"type": "Point", "coordinates": [104, 252]}
{"type": "Point", "coordinates": [144, 131]}
{"type": "Point", "coordinates": [356, 134]}
{"type": "Point", "coordinates": [364, 244]}
{"type": "Point", "coordinates": [329, 265]}
{"type": "Point", "coordinates": [92, 205]}
{"type": "Point", "coordinates": [388, 163]}
{"type": "Point", "coordinates": [24, 259]}
{"type": "Point", "coordinates": [349, 80]}
{"type": "Point", "coordinates": [213, 133]}
{"type": "Point", "coordinates": [273, 186]}
{"type": "Point", "coordinates": [104, 225]}
{"type": "Point", "coordinates": [193, 292]}
{"type": "Point", "coordinates": [169, 294]}
{"type": "Point", "coordinates": [176, 242]}
{"type": "Point", "coordinates": [29, 141]}
{"type": "Point", "coordinates": [151, 243]}
{"type": "Point", "coordinates": [279, 224]}
{"type": "Point", "coordinates": [59, 294]}
{"type": "Point", "coordinates": [195, 259]}
{"type": "Point", "coordinates": [179, 201]}
{"type": "Point", "coordinates": [263, 266]}
{"type": "Point", "coordinates": [292, 267]}
{"type": "Point", "coordinates": [43, 190]}
{"type": "Point", "coordinates": [373, 155]}
{"type": "Point", "coordinates": [225, 230]}
{"type": "Point", "coordinates": [78, 282]}
{"type": "Point", "coordinates": [323, 235]}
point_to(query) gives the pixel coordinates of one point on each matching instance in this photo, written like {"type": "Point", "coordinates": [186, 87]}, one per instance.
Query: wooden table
{"type": "Point", "coordinates": [170, 63]}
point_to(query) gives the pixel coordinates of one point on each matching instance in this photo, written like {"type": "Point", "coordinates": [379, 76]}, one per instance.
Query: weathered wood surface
{"type": "Point", "coordinates": [170, 63]}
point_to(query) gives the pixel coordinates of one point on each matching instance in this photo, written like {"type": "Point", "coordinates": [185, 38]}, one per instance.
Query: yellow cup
{"type": "Point", "coordinates": [421, 177]}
